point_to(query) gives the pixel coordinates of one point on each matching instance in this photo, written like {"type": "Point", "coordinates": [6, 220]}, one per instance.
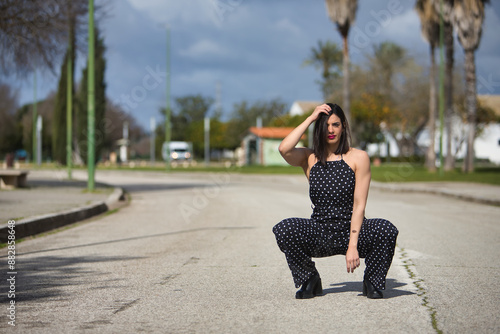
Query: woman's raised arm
{"type": "Point", "coordinates": [296, 156]}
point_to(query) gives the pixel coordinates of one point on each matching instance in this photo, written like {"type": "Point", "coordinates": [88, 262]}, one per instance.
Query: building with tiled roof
{"type": "Point", "coordinates": [260, 146]}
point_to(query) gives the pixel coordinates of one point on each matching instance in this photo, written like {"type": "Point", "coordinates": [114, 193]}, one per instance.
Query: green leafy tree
{"type": "Point", "coordinates": [328, 58]}
{"type": "Point", "coordinates": [388, 58]}
{"type": "Point", "coordinates": [245, 115]}
{"type": "Point", "coordinates": [187, 122]}
{"type": "Point", "coordinates": [368, 113]}
{"type": "Point", "coordinates": [59, 116]}
{"type": "Point", "coordinates": [72, 11]}
{"type": "Point", "coordinates": [218, 131]}
{"type": "Point", "coordinates": [399, 85]}
{"type": "Point", "coordinates": [194, 107]}
{"type": "Point", "coordinates": [10, 131]}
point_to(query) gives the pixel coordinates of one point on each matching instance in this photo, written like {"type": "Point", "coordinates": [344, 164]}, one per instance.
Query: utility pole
{"type": "Point", "coordinates": [34, 119]}
{"type": "Point", "coordinates": [441, 87]}
{"type": "Point", "coordinates": [69, 110]}
{"type": "Point", "coordinates": [124, 143]}
{"type": "Point", "coordinates": [91, 102]}
{"type": "Point", "coordinates": [218, 98]}
{"type": "Point", "coordinates": [152, 124]}
{"type": "Point", "coordinates": [167, 111]}
{"type": "Point", "coordinates": [207, 141]}
{"type": "Point", "coordinates": [39, 140]}
{"type": "Point", "coordinates": [259, 142]}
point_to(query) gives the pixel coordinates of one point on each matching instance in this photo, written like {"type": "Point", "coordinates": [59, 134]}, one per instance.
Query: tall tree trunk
{"type": "Point", "coordinates": [431, 152]}
{"type": "Point", "coordinates": [448, 84]}
{"type": "Point", "coordinates": [471, 107]}
{"type": "Point", "coordinates": [346, 105]}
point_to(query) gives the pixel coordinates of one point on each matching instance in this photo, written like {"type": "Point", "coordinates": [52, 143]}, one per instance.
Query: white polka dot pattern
{"type": "Point", "coordinates": [326, 233]}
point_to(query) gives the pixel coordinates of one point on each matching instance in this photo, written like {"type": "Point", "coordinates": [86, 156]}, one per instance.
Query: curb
{"type": "Point", "coordinates": [43, 223]}
{"type": "Point", "coordinates": [442, 192]}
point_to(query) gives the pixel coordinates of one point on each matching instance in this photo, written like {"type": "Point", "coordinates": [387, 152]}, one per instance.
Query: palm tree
{"type": "Point", "coordinates": [468, 17]}
{"type": "Point", "coordinates": [328, 57]}
{"type": "Point", "coordinates": [429, 21]}
{"type": "Point", "coordinates": [445, 9]}
{"type": "Point", "coordinates": [388, 57]}
{"type": "Point", "coordinates": [342, 13]}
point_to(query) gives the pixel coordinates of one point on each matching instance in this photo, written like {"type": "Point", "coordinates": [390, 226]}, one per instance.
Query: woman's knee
{"type": "Point", "coordinates": [283, 227]}
{"type": "Point", "coordinates": [384, 227]}
{"type": "Point", "coordinates": [283, 231]}
{"type": "Point", "coordinates": [388, 229]}
{"type": "Point", "coordinates": [277, 228]}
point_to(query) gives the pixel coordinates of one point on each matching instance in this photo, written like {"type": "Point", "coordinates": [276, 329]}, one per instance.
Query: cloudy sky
{"type": "Point", "coordinates": [253, 48]}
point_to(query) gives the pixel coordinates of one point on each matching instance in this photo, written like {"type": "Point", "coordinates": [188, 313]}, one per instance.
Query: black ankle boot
{"type": "Point", "coordinates": [370, 291]}
{"type": "Point", "coordinates": [311, 288]}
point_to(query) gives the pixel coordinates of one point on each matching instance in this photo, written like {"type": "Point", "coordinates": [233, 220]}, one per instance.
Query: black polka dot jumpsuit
{"type": "Point", "coordinates": [326, 233]}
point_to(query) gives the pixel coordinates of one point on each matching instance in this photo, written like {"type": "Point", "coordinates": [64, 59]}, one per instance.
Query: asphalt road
{"type": "Point", "coordinates": [195, 254]}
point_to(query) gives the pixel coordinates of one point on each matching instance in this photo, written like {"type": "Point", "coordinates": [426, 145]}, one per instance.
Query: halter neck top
{"type": "Point", "coordinates": [331, 190]}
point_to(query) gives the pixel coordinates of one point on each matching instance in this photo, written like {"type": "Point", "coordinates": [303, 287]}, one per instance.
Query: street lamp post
{"type": "Point", "coordinates": [39, 140]}
{"type": "Point", "coordinates": [152, 124]}
{"type": "Point", "coordinates": [34, 156]}
{"type": "Point", "coordinates": [167, 111]}
{"type": "Point", "coordinates": [69, 110]}
{"type": "Point", "coordinates": [207, 141]}
{"type": "Point", "coordinates": [91, 102]}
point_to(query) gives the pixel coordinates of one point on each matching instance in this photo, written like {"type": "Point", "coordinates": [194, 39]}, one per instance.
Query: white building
{"type": "Point", "coordinates": [486, 145]}
{"type": "Point", "coordinates": [302, 107]}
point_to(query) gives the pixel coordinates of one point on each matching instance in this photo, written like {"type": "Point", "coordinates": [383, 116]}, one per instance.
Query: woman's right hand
{"type": "Point", "coordinates": [324, 108]}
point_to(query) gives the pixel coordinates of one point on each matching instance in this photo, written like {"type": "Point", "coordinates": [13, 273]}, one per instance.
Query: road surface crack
{"type": "Point", "coordinates": [420, 285]}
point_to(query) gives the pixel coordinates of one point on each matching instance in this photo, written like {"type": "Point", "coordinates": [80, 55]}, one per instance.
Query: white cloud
{"type": "Point", "coordinates": [287, 26]}
{"type": "Point", "coordinates": [203, 48]}
{"type": "Point", "coordinates": [183, 11]}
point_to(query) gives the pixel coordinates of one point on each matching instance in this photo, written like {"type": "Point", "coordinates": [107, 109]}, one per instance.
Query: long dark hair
{"type": "Point", "coordinates": [321, 131]}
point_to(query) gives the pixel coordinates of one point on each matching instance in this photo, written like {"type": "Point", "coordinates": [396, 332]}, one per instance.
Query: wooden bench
{"type": "Point", "coordinates": [12, 178]}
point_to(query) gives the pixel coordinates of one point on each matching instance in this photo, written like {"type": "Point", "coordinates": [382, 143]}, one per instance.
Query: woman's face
{"type": "Point", "coordinates": [334, 126]}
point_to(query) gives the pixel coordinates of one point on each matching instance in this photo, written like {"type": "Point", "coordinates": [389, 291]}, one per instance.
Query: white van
{"type": "Point", "coordinates": [179, 150]}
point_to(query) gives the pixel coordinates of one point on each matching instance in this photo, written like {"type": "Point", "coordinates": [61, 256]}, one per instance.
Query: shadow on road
{"type": "Point", "coordinates": [137, 238]}
{"type": "Point", "coordinates": [129, 187]}
{"type": "Point", "coordinates": [47, 276]}
{"type": "Point", "coordinates": [141, 187]}
{"type": "Point", "coordinates": [391, 290]}
{"type": "Point", "coordinates": [49, 183]}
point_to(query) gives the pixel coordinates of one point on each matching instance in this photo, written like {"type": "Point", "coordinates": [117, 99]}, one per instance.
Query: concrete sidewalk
{"type": "Point", "coordinates": [473, 192]}
{"type": "Point", "coordinates": [52, 201]}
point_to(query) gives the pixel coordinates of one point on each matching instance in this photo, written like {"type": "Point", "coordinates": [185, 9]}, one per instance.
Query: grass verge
{"type": "Point", "coordinates": [387, 172]}
{"type": "Point", "coordinates": [406, 172]}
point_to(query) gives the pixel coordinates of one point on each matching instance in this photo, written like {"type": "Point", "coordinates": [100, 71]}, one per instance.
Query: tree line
{"type": "Point", "coordinates": [384, 93]}
{"type": "Point", "coordinates": [438, 18]}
